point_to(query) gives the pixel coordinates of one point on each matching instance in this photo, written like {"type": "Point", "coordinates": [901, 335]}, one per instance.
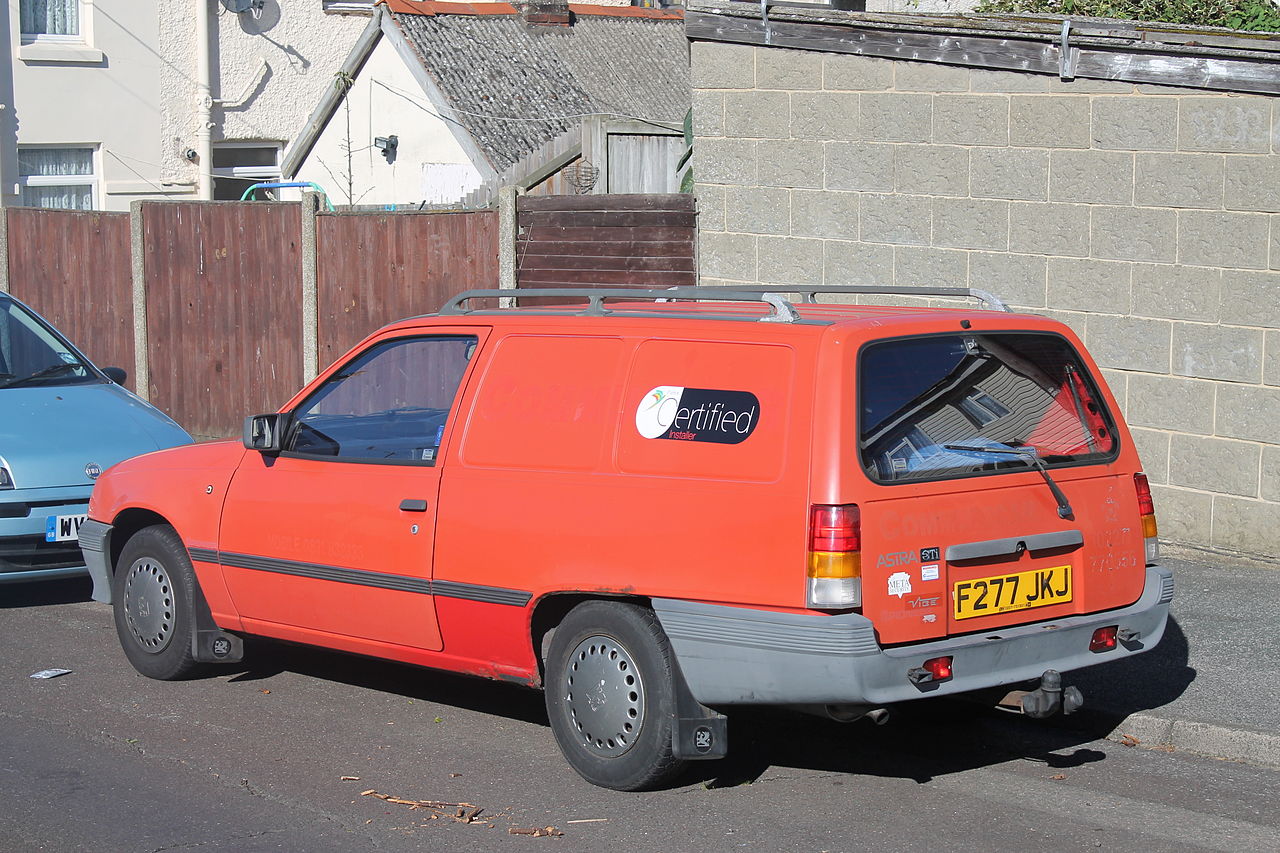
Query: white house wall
{"type": "Point", "coordinates": [386, 100]}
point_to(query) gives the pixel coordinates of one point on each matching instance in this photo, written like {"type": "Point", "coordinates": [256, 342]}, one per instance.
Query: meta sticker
{"type": "Point", "coordinates": [899, 584]}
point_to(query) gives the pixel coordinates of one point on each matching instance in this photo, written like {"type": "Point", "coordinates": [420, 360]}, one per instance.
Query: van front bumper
{"type": "Point", "coordinates": [734, 655]}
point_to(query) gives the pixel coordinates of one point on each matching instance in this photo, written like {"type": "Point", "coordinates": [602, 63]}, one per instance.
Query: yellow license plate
{"type": "Point", "coordinates": [1006, 593]}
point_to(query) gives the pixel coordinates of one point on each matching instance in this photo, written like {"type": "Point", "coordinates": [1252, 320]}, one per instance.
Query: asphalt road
{"type": "Point", "coordinates": [254, 759]}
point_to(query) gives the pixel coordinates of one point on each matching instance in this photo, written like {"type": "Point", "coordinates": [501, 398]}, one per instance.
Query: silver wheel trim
{"type": "Point", "coordinates": [149, 604]}
{"type": "Point", "coordinates": [604, 695]}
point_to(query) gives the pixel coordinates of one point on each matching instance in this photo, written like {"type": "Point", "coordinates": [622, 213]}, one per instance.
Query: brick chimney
{"type": "Point", "coordinates": [546, 13]}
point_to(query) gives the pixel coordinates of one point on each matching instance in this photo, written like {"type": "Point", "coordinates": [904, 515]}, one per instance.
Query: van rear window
{"type": "Point", "coordinates": [946, 406]}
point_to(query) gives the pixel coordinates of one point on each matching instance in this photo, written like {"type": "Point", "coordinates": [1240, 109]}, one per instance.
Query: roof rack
{"type": "Point", "coordinates": [783, 309]}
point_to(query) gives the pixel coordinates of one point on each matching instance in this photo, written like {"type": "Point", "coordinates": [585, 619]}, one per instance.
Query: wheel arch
{"type": "Point", "coordinates": [549, 612]}
{"type": "Point", "coordinates": [125, 525]}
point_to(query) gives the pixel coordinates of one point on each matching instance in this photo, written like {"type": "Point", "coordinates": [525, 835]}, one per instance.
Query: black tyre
{"type": "Point", "coordinates": [610, 697]}
{"type": "Point", "coordinates": [153, 593]}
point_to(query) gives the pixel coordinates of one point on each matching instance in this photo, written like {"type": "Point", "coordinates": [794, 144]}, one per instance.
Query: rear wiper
{"type": "Point", "coordinates": [1064, 506]}
{"type": "Point", "coordinates": [51, 370]}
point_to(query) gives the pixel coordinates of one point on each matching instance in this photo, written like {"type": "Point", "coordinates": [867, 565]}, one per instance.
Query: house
{"type": "Point", "coordinates": [441, 100]}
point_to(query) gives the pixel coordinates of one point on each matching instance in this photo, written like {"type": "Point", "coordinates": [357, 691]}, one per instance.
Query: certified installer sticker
{"type": "Point", "coordinates": [697, 414]}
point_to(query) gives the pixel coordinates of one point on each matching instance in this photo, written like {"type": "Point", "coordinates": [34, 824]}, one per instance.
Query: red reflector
{"type": "Point", "coordinates": [1146, 506]}
{"type": "Point", "coordinates": [835, 528]}
{"type": "Point", "coordinates": [1104, 639]}
{"type": "Point", "coordinates": [940, 667]}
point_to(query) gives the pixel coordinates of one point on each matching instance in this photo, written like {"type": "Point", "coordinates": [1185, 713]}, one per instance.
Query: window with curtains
{"type": "Point", "coordinates": [52, 19]}
{"type": "Point", "coordinates": [62, 178]}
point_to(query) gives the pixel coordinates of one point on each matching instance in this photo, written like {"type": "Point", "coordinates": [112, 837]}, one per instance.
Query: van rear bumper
{"type": "Point", "coordinates": [733, 655]}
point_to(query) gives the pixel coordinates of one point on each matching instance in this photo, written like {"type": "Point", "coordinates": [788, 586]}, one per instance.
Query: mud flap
{"type": "Point", "coordinates": [209, 643]}
{"type": "Point", "coordinates": [697, 732]}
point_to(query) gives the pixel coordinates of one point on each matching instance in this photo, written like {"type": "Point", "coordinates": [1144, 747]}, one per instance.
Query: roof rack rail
{"type": "Point", "coordinates": [783, 310]}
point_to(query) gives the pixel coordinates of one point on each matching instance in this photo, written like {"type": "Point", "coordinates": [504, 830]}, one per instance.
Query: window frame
{"type": "Point", "coordinates": [249, 174]}
{"type": "Point", "coordinates": [80, 37]}
{"type": "Point", "coordinates": [90, 180]}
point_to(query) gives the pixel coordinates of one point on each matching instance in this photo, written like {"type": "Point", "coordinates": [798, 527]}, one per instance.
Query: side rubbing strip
{"type": "Point", "coordinates": [338, 574]}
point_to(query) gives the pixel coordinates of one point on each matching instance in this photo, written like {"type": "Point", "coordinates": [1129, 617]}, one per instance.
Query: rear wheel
{"type": "Point", "coordinates": [153, 601]}
{"type": "Point", "coordinates": [610, 696]}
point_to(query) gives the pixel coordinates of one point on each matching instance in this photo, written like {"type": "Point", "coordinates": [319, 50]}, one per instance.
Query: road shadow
{"type": "Point", "coordinates": [44, 593]}
{"type": "Point", "coordinates": [1143, 682]}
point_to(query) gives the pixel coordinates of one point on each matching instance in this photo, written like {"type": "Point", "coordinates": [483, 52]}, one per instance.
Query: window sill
{"type": "Point", "coordinates": [78, 54]}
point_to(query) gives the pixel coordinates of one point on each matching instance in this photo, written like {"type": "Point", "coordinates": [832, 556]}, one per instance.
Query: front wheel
{"type": "Point", "coordinates": [153, 601]}
{"type": "Point", "coordinates": [610, 696]}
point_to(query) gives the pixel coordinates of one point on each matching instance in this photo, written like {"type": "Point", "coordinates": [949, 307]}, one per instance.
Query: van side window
{"type": "Point", "coordinates": [942, 406]}
{"type": "Point", "coordinates": [388, 404]}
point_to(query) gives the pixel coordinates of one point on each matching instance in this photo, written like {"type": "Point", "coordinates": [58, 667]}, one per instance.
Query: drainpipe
{"type": "Point", "coordinates": [204, 104]}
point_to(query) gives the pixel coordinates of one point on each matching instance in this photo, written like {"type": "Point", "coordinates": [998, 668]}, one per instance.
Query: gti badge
{"type": "Point", "coordinates": [92, 470]}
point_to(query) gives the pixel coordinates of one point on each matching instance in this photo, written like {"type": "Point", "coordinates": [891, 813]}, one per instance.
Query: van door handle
{"type": "Point", "coordinates": [413, 505]}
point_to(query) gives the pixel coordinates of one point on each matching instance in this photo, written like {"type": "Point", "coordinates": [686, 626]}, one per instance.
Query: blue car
{"type": "Point", "coordinates": [62, 423]}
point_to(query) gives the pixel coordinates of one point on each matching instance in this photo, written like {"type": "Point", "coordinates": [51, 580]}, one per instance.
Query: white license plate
{"type": "Point", "coordinates": [62, 528]}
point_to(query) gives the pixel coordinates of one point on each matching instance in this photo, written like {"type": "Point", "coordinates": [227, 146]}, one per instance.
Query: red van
{"type": "Point", "coordinates": [658, 505]}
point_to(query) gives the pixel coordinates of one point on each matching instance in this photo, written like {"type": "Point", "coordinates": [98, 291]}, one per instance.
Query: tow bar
{"type": "Point", "coordinates": [1050, 697]}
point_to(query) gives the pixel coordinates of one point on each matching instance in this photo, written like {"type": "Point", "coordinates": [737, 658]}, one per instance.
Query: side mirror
{"type": "Point", "coordinates": [116, 374]}
{"type": "Point", "coordinates": [264, 433]}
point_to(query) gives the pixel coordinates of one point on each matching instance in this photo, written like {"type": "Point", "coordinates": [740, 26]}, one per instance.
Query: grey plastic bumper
{"type": "Point", "coordinates": [733, 655]}
{"type": "Point", "coordinates": [94, 540]}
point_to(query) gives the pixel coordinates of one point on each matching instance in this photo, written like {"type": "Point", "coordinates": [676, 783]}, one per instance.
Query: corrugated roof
{"type": "Point", "coordinates": [515, 87]}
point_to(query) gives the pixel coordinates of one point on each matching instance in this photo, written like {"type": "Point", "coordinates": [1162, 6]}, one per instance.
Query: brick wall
{"type": "Point", "coordinates": [1145, 217]}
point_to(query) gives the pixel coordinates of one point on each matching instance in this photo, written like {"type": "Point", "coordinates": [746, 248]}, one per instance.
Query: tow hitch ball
{"type": "Point", "coordinates": [1050, 697]}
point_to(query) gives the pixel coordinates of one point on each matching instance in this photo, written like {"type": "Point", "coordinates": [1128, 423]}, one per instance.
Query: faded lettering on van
{"type": "Point", "coordinates": [697, 414]}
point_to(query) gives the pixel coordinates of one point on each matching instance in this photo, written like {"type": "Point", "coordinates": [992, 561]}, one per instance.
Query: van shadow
{"type": "Point", "coordinates": [921, 741]}
{"type": "Point", "coordinates": [44, 593]}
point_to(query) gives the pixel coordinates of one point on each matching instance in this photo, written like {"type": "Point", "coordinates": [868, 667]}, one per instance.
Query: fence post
{"type": "Point", "coordinates": [138, 269]}
{"type": "Point", "coordinates": [311, 202]}
{"type": "Point", "coordinates": [507, 230]}
{"type": "Point", "coordinates": [4, 250]}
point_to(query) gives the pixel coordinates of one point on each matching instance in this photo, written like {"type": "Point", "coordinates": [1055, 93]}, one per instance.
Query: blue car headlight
{"type": "Point", "coordinates": [6, 479]}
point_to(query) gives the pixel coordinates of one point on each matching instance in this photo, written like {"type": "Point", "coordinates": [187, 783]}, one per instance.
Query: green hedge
{"type": "Point", "coordinates": [1257, 15]}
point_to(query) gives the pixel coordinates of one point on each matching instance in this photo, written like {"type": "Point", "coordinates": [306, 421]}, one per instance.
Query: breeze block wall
{"type": "Point", "coordinates": [1145, 217]}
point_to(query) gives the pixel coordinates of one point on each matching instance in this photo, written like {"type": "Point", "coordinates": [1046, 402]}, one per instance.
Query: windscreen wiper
{"type": "Point", "coordinates": [1064, 506]}
{"type": "Point", "coordinates": [44, 373]}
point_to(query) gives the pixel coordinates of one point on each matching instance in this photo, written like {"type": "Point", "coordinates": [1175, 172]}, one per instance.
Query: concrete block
{"type": "Point", "coordinates": [1049, 121]}
{"type": "Point", "coordinates": [1133, 234]}
{"type": "Point", "coordinates": [1135, 124]}
{"type": "Point", "coordinates": [1252, 526]}
{"type": "Point", "coordinates": [1118, 383]}
{"type": "Point", "coordinates": [970, 223]}
{"type": "Point", "coordinates": [971, 120]}
{"type": "Point", "coordinates": [921, 266]}
{"type": "Point", "coordinates": [1096, 177]}
{"type": "Point", "coordinates": [1251, 298]}
{"type": "Point", "coordinates": [896, 117]}
{"type": "Point", "coordinates": [896, 219]}
{"type": "Point", "coordinates": [756, 115]}
{"type": "Point", "coordinates": [857, 263]}
{"type": "Point", "coordinates": [708, 113]}
{"type": "Point", "coordinates": [1090, 285]}
{"type": "Point", "coordinates": [1011, 173]}
{"type": "Point", "coordinates": [1089, 86]}
{"type": "Point", "coordinates": [1049, 229]}
{"type": "Point", "coordinates": [1129, 343]}
{"type": "Point", "coordinates": [1077, 321]}
{"type": "Point", "coordinates": [1153, 451]}
{"type": "Point", "coordinates": [711, 214]}
{"type": "Point", "coordinates": [1179, 180]}
{"type": "Point", "coordinates": [1235, 124]}
{"type": "Point", "coordinates": [790, 163]}
{"type": "Point", "coordinates": [981, 80]}
{"type": "Point", "coordinates": [1270, 480]}
{"type": "Point", "coordinates": [1171, 403]}
{"type": "Point", "coordinates": [1231, 240]}
{"type": "Point", "coordinates": [929, 77]}
{"type": "Point", "coordinates": [1248, 412]}
{"type": "Point", "coordinates": [757, 210]}
{"type": "Point", "coordinates": [848, 73]}
{"type": "Point", "coordinates": [1253, 183]}
{"type": "Point", "coordinates": [1214, 464]}
{"type": "Point", "coordinates": [931, 170]}
{"type": "Point", "coordinates": [1183, 516]}
{"type": "Point", "coordinates": [824, 213]}
{"type": "Point", "coordinates": [1176, 292]}
{"type": "Point", "coordinates": [1019, 280]}
{"type": "Point", "coordinates": [790, 260]}
{"type": "Point", "coordinates": [854, 166]}
{"type": "Point", "coordinates": [778, 68]}
{"type": "Point", "coordinates": [1275, 241]}
{"type": "Point", "coordinates": [725, 161]}
{"type": "Point", "coordinates": [824, 115]}
{"type": "Point", "coordinates": [717, 65]}
{"type": "Point", "coordinates": [1271, 362]}
{"type": "Point", "coordinates": [1231, 353]}
{"type": "Point", "coordinates": [728, 256]}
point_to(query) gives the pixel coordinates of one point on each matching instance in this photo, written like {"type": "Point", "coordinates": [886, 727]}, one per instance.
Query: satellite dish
{"type": "Point", "coordinates": [240, 6]}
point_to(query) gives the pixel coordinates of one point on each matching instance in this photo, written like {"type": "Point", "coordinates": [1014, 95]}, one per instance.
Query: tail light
{"type": "Point", "coordinates": [1147, 511]}
{"type": "Point", "coordinates": [835, 557]}
{"type": "Point", "coordinates": [1104, 639]}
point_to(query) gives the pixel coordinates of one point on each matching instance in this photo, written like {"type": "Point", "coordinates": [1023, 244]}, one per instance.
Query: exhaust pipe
{"type": "Point", "coordinates": [846, 713]}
